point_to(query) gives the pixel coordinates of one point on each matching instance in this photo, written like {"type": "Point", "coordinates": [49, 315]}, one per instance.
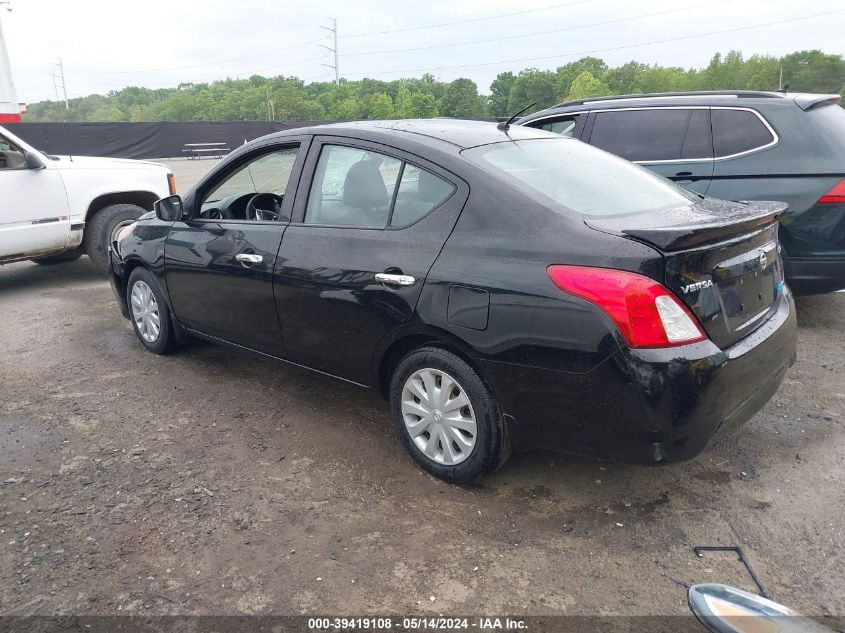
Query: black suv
{"type": "Point", "coordinates": [736, 146]}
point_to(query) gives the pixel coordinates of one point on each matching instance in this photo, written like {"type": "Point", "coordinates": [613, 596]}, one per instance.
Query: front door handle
{"type": "Point", "coordinates": [249, 258]}
{"type": "Point", "coordinates": [395, 280]}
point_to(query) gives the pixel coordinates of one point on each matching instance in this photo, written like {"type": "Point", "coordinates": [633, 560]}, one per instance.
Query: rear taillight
{"type": "Point", "coordinates": [646, 313]}
{"type": "Point", "coordinates": [835, 196]}
{"type": "Point", "coordinates": [171, 183]}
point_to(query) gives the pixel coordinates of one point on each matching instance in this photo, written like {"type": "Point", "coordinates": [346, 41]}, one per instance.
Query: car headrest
{"type": "Point", "coordinates": [364, 186]}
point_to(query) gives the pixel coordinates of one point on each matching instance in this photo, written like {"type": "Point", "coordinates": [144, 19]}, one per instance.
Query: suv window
{"type": "Point", "coordinates": [357, 187]}
{"type": "Point", "coordinates": [642, 135]}
{"type": "Point", "coordinates": [738, 131]}
{"type": "Point", "coordinates": [564, 126]}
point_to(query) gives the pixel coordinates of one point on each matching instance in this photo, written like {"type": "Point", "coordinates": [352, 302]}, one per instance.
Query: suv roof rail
{"type": "Point", "coordinates": [754, 94]}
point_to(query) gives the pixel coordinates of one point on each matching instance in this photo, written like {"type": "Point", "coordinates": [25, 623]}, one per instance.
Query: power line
{"type": "Point", "coordinates": [239, 74]}
{"type": "Point", "coordinates": [536, 33]}
{"type": "Point", "coordinates": [601, 50]}
{"type": "Point", "coordinates": [467, 21]}
{"type": "Point", "coordinates": [219, 61]}
{"type": "Point", "coordinates": [310, 42]}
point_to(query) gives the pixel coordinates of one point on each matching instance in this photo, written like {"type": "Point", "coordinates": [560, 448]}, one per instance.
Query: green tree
{"type": "Point", "coordinates": [381, 106]}
{"type": "Point", "coordinates": [500, 93]}
{"type": "Point", "coordinates": [462, 100]}
{"type": "Point", "coordinates": [586, 85]}
{"type": "Point", "coordinates": [532, 86]}
{"type": "Point", "coordinates": [423, 106]}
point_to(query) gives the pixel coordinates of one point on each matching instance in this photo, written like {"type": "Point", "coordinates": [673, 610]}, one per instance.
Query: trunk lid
{"type": "Point", "coordinates": [721, 259]}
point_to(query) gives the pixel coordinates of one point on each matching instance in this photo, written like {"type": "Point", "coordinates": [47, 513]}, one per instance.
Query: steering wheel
{"type": "Point", "coordinates": [217, 214]}
{"type": "Point", "coordinates": [264, 206]}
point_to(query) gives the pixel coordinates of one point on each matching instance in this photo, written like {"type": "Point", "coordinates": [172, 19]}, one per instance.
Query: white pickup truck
{"type": "Point", "coordinates": [55, 208]}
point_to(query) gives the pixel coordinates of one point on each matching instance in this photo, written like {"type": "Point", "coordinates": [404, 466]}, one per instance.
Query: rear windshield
{"type": "Point", "coordinates": [831, 119]}
{"type": "Point", "coordinates": [579, 177]}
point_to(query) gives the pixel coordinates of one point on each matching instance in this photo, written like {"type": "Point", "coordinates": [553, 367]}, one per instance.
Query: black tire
{"type": "Point", "coordinates": [166, 340]}
{"type": "Point", "coordinates": [491, 445]}
{"type": "Point", "coordinates": [99, 229]}
{"type": "Point", "coordinates": [60, 258]}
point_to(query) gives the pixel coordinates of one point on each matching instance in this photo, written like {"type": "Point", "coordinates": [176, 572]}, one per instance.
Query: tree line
{"type": "Point", "coordinates": [290, 98]}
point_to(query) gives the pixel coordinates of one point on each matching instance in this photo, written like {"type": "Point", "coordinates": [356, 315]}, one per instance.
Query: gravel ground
{"type": "Point", "coordinates": [210, 482]}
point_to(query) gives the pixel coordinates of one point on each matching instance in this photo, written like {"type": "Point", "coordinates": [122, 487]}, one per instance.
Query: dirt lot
{"type": "Point", "coordinates": [211, 482]}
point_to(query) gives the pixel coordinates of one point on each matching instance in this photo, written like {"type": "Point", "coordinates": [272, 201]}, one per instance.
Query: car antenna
{"type": "Point", "coordinates": [505, 125]}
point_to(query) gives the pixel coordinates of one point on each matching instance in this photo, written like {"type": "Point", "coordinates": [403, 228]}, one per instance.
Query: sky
{"type": "Point", "coordinates": [110, 44]}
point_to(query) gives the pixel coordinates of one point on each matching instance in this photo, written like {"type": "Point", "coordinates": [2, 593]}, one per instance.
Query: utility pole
{"type": "Point", "coordinates": [63, 86]}
{"type": "Point", "coordinates": [333, 31]}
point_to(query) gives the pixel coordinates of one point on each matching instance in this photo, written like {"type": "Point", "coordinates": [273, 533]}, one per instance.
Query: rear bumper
{"type": "Point", "coordinates": [648, 405]}
{"type": "Point", "coordinates": [816, 275]}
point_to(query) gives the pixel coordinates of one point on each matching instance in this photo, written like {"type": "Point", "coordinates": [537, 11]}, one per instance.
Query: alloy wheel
{"type": "Point", "coordinates": [438, 416]}
{"type": "Point", "coordinates": [145, 311]}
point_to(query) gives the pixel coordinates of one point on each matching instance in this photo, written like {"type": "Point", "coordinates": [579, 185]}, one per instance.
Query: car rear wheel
{"type": "Point", "coordinates": [103, 228]}
{"type": "Point", "coordinates": [446, 416]}
{"type": "Point", "coordinates": [148, 312]}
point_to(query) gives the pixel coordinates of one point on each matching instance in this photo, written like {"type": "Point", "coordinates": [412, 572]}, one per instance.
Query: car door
{"type": "Point", "coordinates": [675, 142]}
{"type": "Point", "coordinates": [219, 262]}
{"type": "Point", "coordinates": [368, 224]}
{"type": "Point", "coordinates": [34, 213]}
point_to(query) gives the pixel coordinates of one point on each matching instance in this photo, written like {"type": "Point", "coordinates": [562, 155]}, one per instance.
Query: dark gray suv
{"type": "Point", "coordinates": [736, 146]}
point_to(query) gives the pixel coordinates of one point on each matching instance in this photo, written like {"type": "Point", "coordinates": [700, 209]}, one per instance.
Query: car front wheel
{"type": "Point", "coordinates": [446, 416]}
{"type": "Point", "coordinates": [148, 312]}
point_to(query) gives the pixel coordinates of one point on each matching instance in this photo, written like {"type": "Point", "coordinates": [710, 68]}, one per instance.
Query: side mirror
{"type": "Point", "coordinates": [32, 160]}
{"type": "Point", "coordinates": [169, 209]}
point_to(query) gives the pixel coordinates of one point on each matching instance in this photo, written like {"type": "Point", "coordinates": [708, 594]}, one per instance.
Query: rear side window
{"type": "Point", "coordinates": [564, 126]}
{"type": "Point", "coordinates": [419, 192]}
{"type": "Point", "coordinates": [577, 177]}
{"type": "Point", "coordinates": [642, 135]}
{"type": "Point", "coordinates": [357, 187]}
{"type": "Point", "coordinates": [738, 131]}
{"type": "Point", "coordinates": [831, 119]}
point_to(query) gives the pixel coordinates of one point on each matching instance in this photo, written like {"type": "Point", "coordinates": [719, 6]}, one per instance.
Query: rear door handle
{"type": "Point", "coordinates": [395, 280]}
{"type": "Point", "coordinates": [249, 258]}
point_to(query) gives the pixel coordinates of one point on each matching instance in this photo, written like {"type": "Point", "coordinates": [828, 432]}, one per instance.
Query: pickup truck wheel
{"type": "Point", "coordinates": [60, 258]}
{"type": "Point", "coordinates": [101, 229]}
{"type": "Point", "coordinates": [148, 312]}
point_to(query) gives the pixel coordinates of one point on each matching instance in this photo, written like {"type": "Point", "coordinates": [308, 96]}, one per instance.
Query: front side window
{"type": "Point", "coordinates": [11, 156]}
{"type": "Point", "coordinates": [357, 187]}
{"type": "Point", "coordinates": [254, 191]}
{"type": "Point", "coordinates": [564, 126]}
{"type": "Point", "coordinates": [738, 131]}
{"type": "Point", "coordinates": [579, 177]}
{"type": "Point", "coordinates": [641, 135]}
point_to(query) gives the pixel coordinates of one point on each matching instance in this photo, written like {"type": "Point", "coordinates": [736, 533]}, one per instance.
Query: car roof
{"type": "Point", "coordinates": [457, 133]}
{"type": "Point", "coordinates": [737, 98]}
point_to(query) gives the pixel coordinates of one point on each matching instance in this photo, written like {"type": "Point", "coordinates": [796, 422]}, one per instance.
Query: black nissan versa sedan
{"type": "Point", "coordinates": [502, 288]}
{"type": "Point", "coordinates": [741, 145]}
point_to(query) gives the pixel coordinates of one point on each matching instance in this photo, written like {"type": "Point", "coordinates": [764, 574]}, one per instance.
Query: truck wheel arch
{"type": "Point", "coordinates": [143, 199]}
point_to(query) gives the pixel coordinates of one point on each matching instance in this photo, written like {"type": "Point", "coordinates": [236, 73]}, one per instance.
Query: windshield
{"type": "Point", "coordinates": [579, 177]}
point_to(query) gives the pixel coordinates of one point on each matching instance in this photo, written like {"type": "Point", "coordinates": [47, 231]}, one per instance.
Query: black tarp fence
{"type": "Point", "coordinates": [143, 140]}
